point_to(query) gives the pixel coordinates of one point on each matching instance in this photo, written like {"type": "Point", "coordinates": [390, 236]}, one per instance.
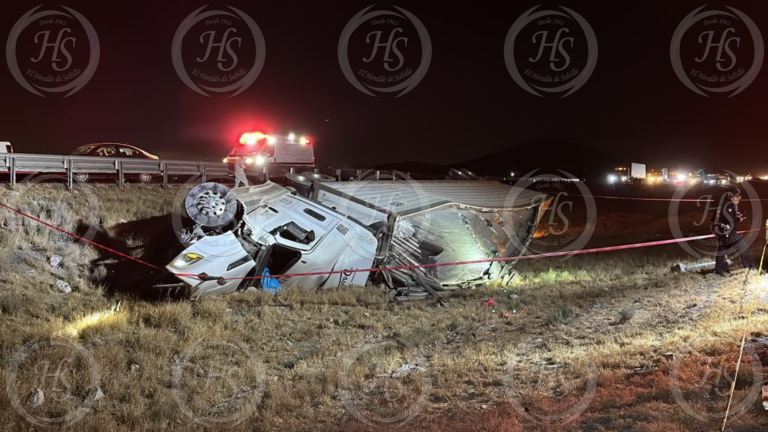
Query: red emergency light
{"type": "Point", "coordinates": [252, 138]}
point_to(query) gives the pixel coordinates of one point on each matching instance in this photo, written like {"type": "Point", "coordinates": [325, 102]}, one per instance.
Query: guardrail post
{"type": "Point", "coordinates": [202, 173]}
{"type": "Point", "coordinates": [120, 176]}
{"type": "Point", "coordinates": [13, 171]}
{"type": "Point", "coordinates": [291, 170]}
{"type": "Point", "coordinates": [68, 161]}
{"type": "Point", "coordinates": [357, 174]}
{"type": "Point", "coordinates": [378, 175]}
{"type": "Point", "coordinates": [164, 167]}
{"type": "Point", "coordinates": [266, 173]}
{"type": "Point", "coordinates": [316, 170]}
{"type": "Point", "coordinates": [338, 174]}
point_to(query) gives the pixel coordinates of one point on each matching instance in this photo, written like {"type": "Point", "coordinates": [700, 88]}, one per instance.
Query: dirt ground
{"type": "Point", "coordinates": [604, 342]}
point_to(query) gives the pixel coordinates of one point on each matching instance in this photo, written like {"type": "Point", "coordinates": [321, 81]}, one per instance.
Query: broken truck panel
{"type": "Point", "coordinates": [346, 226]}
{"type": "Point", "coordinates": [438, 222]}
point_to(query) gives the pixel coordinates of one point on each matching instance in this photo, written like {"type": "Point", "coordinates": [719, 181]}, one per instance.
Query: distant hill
{"type": "Point", "coordinates": [548, 157]}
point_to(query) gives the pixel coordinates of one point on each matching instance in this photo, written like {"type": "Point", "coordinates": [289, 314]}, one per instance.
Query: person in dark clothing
{"type": "Point", "coordinates": [729, 241]}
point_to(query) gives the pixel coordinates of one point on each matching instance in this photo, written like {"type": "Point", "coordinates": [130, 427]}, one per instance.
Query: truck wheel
{"type": "Point", "coordinates": [300, 182]}
{"type": "Point", "coordinates": [211, 205]}
{"type": "Point", "coordinates": [319, 177]}
{"type": "Point", "coordinates": [145, 178]}
{"type": "Point", "coordinates": [81, 177]}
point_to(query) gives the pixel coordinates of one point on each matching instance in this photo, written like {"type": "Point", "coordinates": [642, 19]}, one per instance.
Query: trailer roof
{"type": "Point", "coordinates": [407, 197]}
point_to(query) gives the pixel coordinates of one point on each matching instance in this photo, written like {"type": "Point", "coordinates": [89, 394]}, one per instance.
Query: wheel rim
{"type": "Point", "coordinates": [211, 203]}
{"type": "Point", "coordinates": [145, 178]}
{"type": "Point", "coordinates": [81, 177]}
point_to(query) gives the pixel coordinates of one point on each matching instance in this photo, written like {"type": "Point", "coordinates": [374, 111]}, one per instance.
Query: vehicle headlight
{"type": "Point", "coordinates": [187, 260]}
{"type": "Point", "coordinates": [225, 160]}
{"type": "Point", "coordinates": [260, 160]}
{"type": "Point", "coordinates": [249, 161]}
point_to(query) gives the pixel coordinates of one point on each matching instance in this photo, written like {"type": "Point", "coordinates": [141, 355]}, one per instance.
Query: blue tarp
{"type": "Point", "coordinates": [269, 284]}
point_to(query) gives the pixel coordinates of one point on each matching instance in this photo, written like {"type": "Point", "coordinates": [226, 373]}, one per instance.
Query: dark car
{"type": "Point", "coordinates": [113, 150]}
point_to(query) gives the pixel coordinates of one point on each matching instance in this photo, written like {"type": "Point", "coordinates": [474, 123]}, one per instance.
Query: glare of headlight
{"type": "Point", "coordinates": [74, 328]}
{"type": "Point", "coordinates": [271, 140]}
{"type": "Point", "coordinates": [681, 177]}
{"type": "Point", "coordinates": [248, 161]}
{"type": "Point", "coordinates": [291, 137]}
{"type": "Point", "coordinates": [612, 178]}
{"type": "Point", "coordinates": [260, 160]}
{"type": "Point", "coordinates": [225, 160]}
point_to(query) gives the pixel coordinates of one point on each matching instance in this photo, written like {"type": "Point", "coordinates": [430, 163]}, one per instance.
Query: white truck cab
{"type": "Point", "coordinates": [6, 147]}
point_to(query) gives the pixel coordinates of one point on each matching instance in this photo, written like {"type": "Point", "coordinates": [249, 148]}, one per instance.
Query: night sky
{"type": "Point", "coordinates": [633, 107]}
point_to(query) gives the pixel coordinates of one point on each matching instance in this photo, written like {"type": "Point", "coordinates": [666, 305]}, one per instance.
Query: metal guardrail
{"type": "Point", "coordinates": [14, 164]}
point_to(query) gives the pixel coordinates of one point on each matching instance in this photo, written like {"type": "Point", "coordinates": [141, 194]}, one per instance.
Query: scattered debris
{"type": "Point", "coordinates": [96, 394]}
{"type": "Point", "coordinates": [63, 287]}
{"type": "Point", "coordinates": [669, 356]}
{"type": "Point", "coordinates": [406, 369]}
{"type": "Point", "coordinates": [36, 398]}
{"type": "Point", "coordinates": [765, 397]}
{"type": "Point", "coordinates": [134, 368]}
{"type": "Point", "coordinates": [55, 261]}
{"type": "Point", "coordinates": [490, 302]}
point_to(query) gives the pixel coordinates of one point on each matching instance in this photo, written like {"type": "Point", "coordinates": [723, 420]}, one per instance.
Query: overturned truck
{"type": "Point", "coordinates": [314, 232]}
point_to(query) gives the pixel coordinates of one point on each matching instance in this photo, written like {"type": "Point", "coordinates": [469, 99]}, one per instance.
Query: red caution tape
{"type": "Point", "coordinates": [379, 269]}
{"type": "Point", "coordinates": [75, 236]}
{"type": "Point", "coordinates": [657, 199]}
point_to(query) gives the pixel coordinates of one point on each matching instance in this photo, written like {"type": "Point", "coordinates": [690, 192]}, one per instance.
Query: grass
{"type": "Point", "coordinates": [322, 356]}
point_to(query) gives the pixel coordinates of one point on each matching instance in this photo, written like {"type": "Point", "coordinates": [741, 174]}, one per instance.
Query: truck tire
{"type": "Point", "coordinates": [454, 174]}
{"type": "Point", "coordinates": [211, 205]}
{"type": "Point", "coordinates": [300, 182]}
{"type": "Point", "coordinates": [319, 177]}
{"type": "Point", "coordinates": [470, 174]}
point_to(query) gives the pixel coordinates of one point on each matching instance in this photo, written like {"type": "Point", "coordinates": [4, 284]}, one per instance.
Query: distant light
{"type": "Point", "coordinates": [681, 177]}
{"type": "Point", "coordinates": [260, 160]}
{"type": "Point", "coordinates": [624, 178]}
{"type": "Point", "coordinates": [304, 141]}
{"type": "Point", "coordinates": [249, 161]}
{"type": "Point", "coordinates": [225, 160]}
{"type": "Point", "coordinates": [291, 137]}
{"type": "Point", "coordinates": [511, 173]}
{"type": "Point", "coordinates": [612, 178]}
